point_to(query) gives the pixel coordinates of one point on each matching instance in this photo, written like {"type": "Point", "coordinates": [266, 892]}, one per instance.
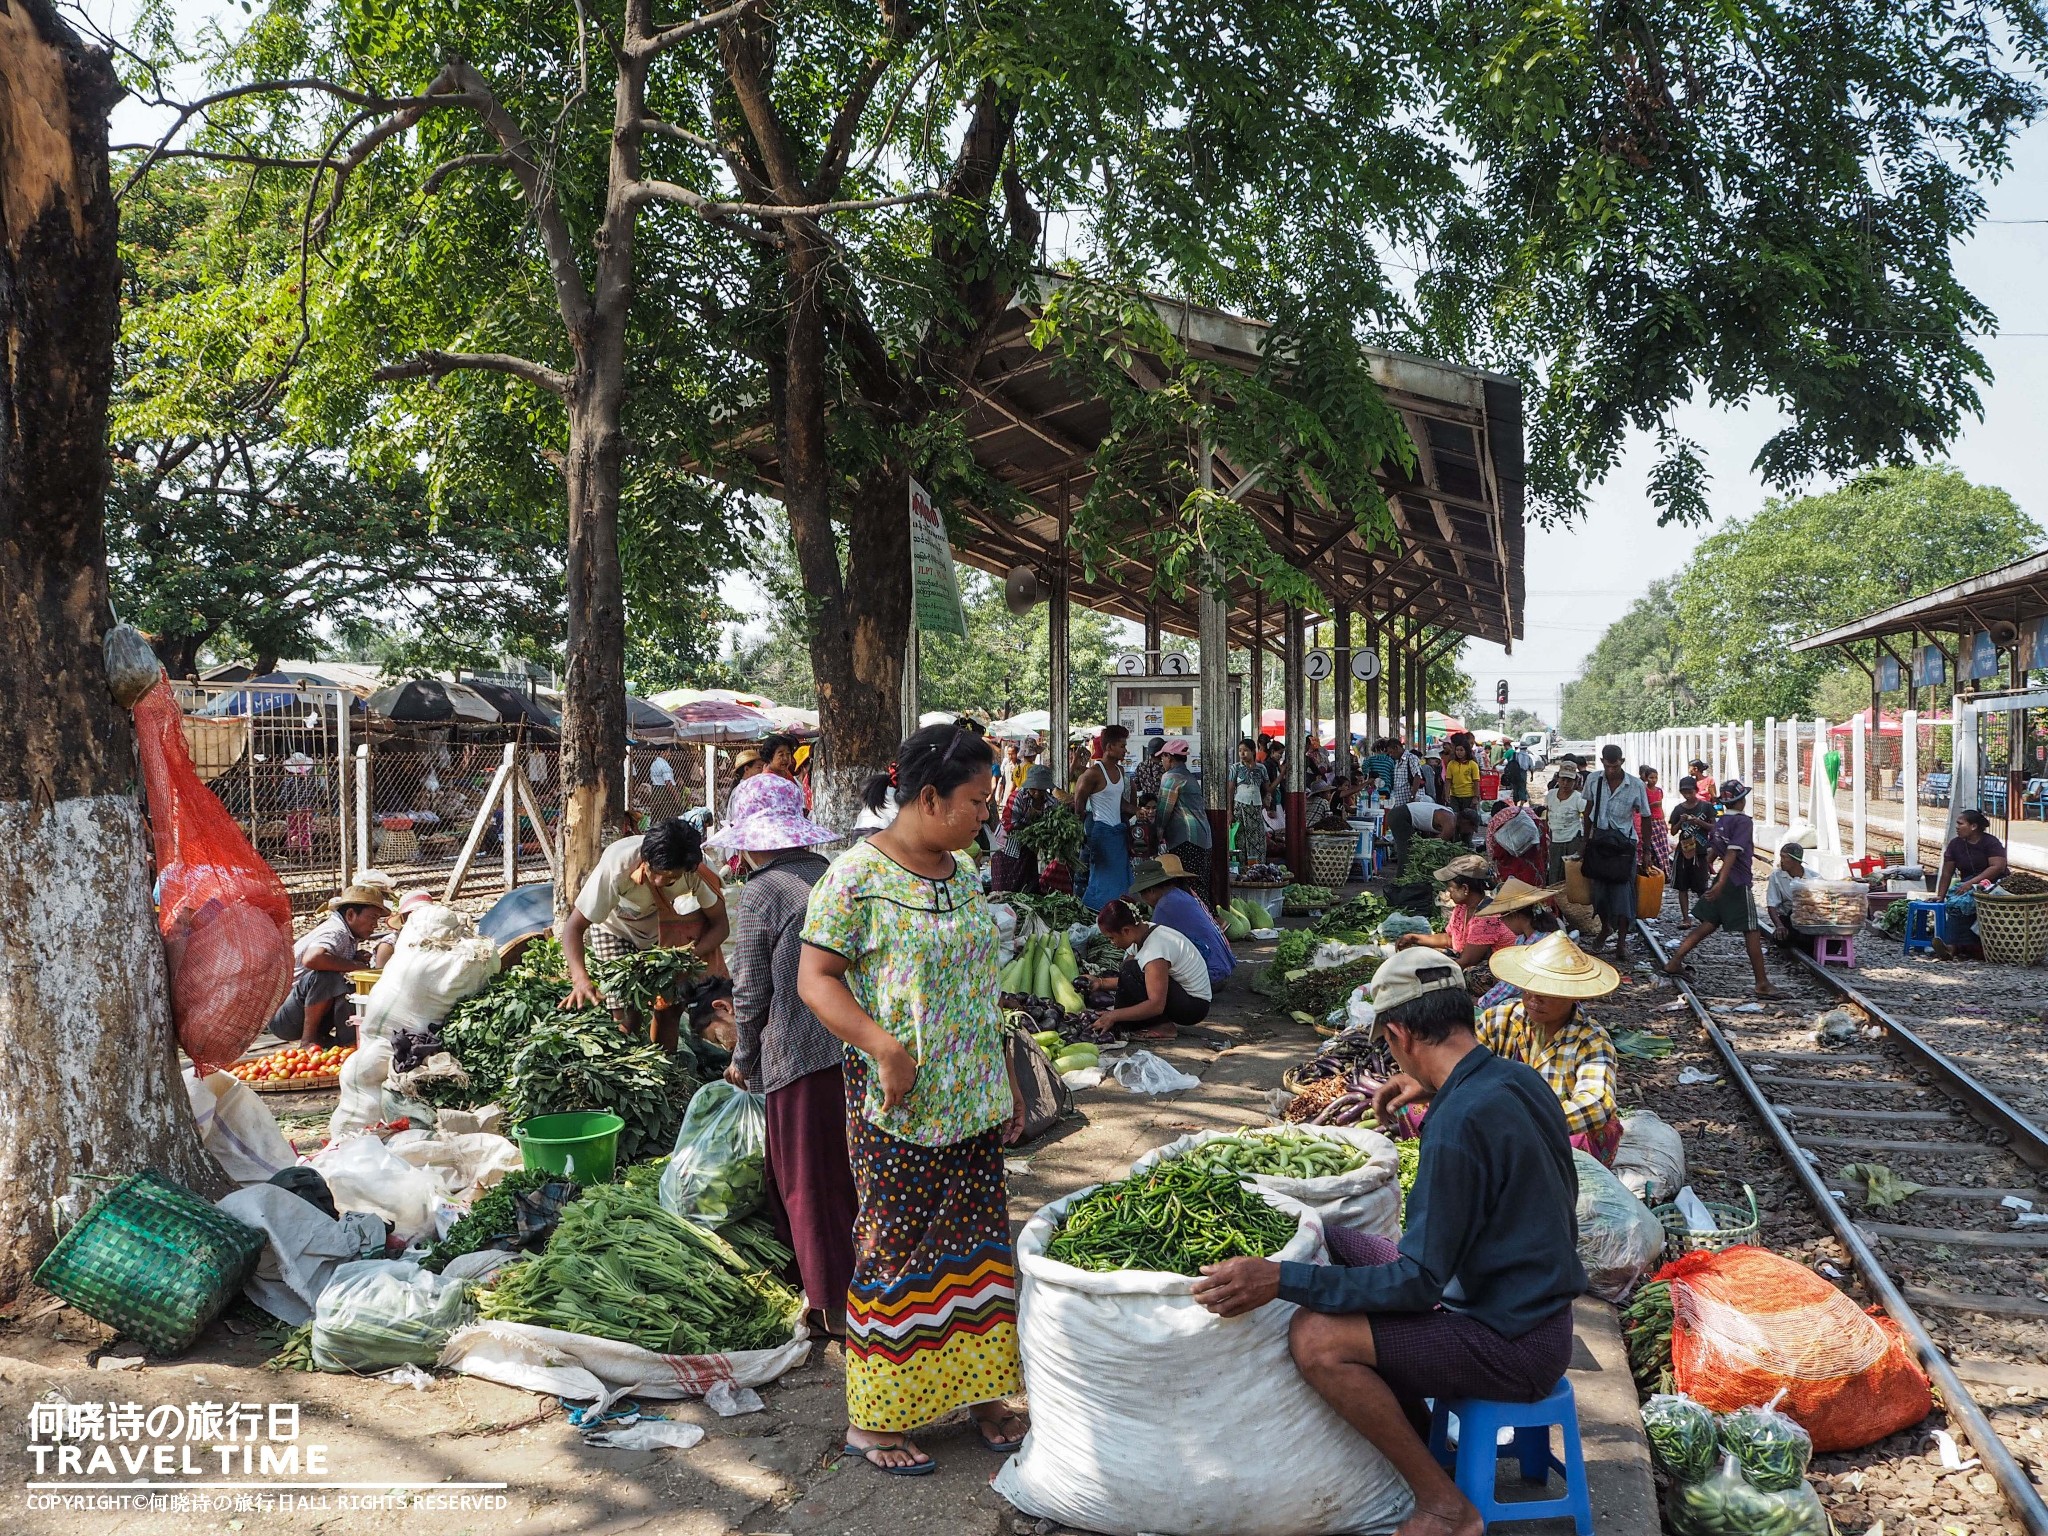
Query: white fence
{"type": "Point", "coordinates": [1890, 793]}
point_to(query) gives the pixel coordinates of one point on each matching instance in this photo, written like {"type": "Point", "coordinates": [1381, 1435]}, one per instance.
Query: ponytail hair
{"type": "Point", "coordinates": [940, 758]}
{"type": "Point", "coordinates": [876, 793]}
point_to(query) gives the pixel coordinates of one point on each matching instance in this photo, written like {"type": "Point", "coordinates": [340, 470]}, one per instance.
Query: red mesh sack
{"type": "Point", "coordinates": [1747, 1324]}
{"type": "Point", "coordinates": [224, 914]}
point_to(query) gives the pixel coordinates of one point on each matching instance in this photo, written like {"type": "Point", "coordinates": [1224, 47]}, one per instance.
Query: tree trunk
{"type": "Point", "coordinates": [85, 1036]}
{"type": "Point", "coordinates": [594, 690]}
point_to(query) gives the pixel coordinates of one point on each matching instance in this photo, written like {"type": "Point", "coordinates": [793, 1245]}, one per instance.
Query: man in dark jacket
{"type": "Point", "coordinates": [1470, 1304]}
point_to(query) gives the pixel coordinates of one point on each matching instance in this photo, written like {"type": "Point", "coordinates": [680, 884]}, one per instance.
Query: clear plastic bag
{"type": "Point", "coordinates": [365, 1175]}
{"type": "Point", "coordinates": [719, 1169]}
{"type": "Point", "coordinates": [378, 1313]}
{"type": "Point", "coordinates": [1620, 1241]}
{"type": "Point", "coordinates": [1143, 1072]}
{"type": "Point", "coordinates": [1684, 1435]}
{"type": "Point", "coordinates": [1651, 1158]}
{"type": "Point", "coordinates": [1725, 1503]}
{"type": "Point", "coordinates": [1772, 1450]}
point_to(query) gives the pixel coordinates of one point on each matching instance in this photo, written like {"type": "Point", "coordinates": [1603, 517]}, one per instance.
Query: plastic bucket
{"type": "Point", "coordinates": [583, 1146]}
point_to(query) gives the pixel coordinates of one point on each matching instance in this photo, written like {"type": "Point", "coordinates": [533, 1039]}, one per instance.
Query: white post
{"type": "Point", "coordinates": [341, 756]}
{"type": "Point", "coordinates": [1728, 753]}
{"type": "Point", "coordinates": [1770, 789]}
{"type": "Point", "coordinates": [499, 781]}
{"type": "Point", "coordinates": [509, 837]}
{"type": "Point", "coordinates": [1909, 783]}
{"type": "Point", "coordinates": [1962, 749]}
{"type": "Point", "coordinates": [711, 779]}
{"type": "Point", "coordinates": [1859, 758]}
{"type": "Point", "coordinates": [363, 806]}
{"type": "Point", "coordinates": [1792, 815]}
{"type": "Point", "coordinates": [1748, 748]}
{"type": "Point", "coordinates": [1821, 795]}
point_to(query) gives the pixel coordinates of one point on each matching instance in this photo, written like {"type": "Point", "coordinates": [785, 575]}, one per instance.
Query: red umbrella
{"type": "Point", "coordinates": [718, 720]}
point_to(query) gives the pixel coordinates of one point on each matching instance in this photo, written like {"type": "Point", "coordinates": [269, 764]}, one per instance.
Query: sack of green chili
{"type": "Point", "coordinates": [1245, 1448]}
{"type": "Point", "coordinates": [1725, 1503]}
{"type": "Point", "coordinates": [1347, 1175]}
{"type": "Point", "coordinates": [719, 1169]}
{"type": "Point", "coordinates": [1684, 1436]}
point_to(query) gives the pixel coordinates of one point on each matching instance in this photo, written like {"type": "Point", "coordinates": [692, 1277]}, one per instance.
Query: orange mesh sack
{"type": "Point", "coordinates": [1747, 1324]}
{"type": "Point", "coordinates": [224, 914]}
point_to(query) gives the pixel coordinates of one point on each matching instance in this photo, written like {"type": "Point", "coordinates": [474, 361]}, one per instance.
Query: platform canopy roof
{"type": "Point", "coordinates": [1457, 560]}
{"type": "Point", "coordinates": [2015, 595]}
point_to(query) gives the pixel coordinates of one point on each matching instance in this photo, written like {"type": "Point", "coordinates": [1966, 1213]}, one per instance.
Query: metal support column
{"type": "Point", "coordinates": [1373, 729]}
{"type": "Point", "coordinates": [1217, 726]}
{"type": "Point", "coordinates": [1295, 788]}
{"type": "Point", "coordinates": [1397, 722]}
{"type": "Point", "coordinates": [1340, 690]}
{"type": "Point", "coordinates": [1257, 707]}
{"type": "Point", "coordinates": [1057, 618]}
{"type": "Point", "coordinates": [1152, 637]}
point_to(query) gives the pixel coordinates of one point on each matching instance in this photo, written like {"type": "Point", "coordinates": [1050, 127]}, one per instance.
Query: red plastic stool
{"type": "Point", "coordinates": [1865, 868]}
{"type": "Point", "coordinates": [1836, 949]}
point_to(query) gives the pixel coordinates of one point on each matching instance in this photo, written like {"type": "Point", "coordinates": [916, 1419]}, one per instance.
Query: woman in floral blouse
{"type": "Point", "coordinates": [899, 962]}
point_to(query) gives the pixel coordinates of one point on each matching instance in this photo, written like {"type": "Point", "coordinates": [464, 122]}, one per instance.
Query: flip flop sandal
{"type": "Point", "coordinates": [998, 1447]}
{"type": "Point", "coordinates": [923, 1468]}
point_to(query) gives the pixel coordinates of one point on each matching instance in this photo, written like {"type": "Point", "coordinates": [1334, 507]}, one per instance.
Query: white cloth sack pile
{"type": "Point", "coordinates": [1366, 1199]}
{"type": "Point", "coordinates": [237, 1127]}
{"type": "Point", "coordinates": [1651, 1157]}
{"type": "Point", "coordinates": [1151, 1414]}
{"type": "Point", "coordinates": [438, 959]}
{"type": "Point", "coordinates": [365, 1175]}
{"type": "Point", "coordinates": [1620, 1241]}
{"type": "Point", "coordinates": [582, 1367]}
{"type": "Point", "coordinates": [362, 1090]}
{"type": "Point", "coordinates": [465, 1166]}
{"type": "Point", "coordinates": [304, 1247]}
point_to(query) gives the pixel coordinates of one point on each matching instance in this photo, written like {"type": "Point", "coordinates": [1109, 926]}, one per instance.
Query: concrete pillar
{"type": "Point", "coordinates": [1294, 785]}
{"type": "Point", "coordinates": [1909, 781]}
{"type": "Point", "coordinates": [909, 694]}
{"type": "Point", "coordinates": [1218, 729]}
{"type": "Point", "coordinates": [1340, 686]}
{"type": "Point", "coordinates": [1058, 625]}
{"type": "Point", "coordinates": [1769, 789]}
{"type": "Point", "coordinates": [1257, 680]}
{"type": "Point", "coordinates": [1859, 815]}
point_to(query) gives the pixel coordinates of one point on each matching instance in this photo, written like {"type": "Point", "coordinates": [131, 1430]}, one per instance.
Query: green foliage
{"type": "Point", "coordinates": [1800, 566]}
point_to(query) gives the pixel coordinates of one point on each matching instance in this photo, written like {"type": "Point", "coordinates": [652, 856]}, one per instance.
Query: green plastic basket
{"type": "Point", "coordinates": [154, 1261]}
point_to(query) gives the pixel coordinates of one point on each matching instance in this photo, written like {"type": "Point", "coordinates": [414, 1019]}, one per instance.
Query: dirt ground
{"type": "Point", "coordinates": [405, 1454]}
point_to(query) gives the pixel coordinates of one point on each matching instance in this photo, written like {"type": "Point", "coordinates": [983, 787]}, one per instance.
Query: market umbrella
{"type": "Point", "coordinates": [284, 699]}
{"type": "Point", "coordinates": [426, 700]}
{"type": "Point", "coordinates": [517, 707]}
{"type": "Point", "coordinates": [717, 720]}
{"type": "Point", "coordinates": [789, 721]}
{"type": "Point", "coordinates": [1032, 722]}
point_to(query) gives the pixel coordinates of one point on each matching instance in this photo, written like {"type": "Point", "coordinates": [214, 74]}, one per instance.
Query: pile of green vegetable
{"type": "Point", "coordinates": [1067, 1058]}
{"type": "Point", "coordinates": [1046, 968]}
{"type": "Point", "coordinates": [638, 981]}
{"type": "Point", "coordinates": [1308, 898]}
{"type": "Point", "coordinates": [719, 1170]}
{"type": "Point", "coordinates": [1293, 951]}
{"type": "Point", "coordinates": [1684, 1439]}
{"type": "Point", "coordinates": [1726, 1503]}
{"type": "Point", "coordinates": [1056, 909]}
{"type": "Point", "coordinates": [1356, 920]}
{"type": "Point", "coordinates": [1281, 1153]}
{"type": "Point", "coordinates": [1241, 917]}
{"type": "Point", "coordinates": [1646, 1329]}
{"type": "Point", "coordinates": [1318, 993]}
{"type": "Point", "coordinates": [1174, 1218]}
{"type": "Point", "coordinates": [1055, 835]}
{"type": "Point", "coordinates": [1410, 1152]}
{"type": "Point", "coordinates": [486, 1029]}
{"type": "Point", "coordinates": [492, 1216]}
{"type": "Point", "coordinates": [621, 1267]}
{"type": "Point", "coordinates": [1427, 855]}
{"type": "Point", "coordinates": [1741, 1473]}
{"type": "Point", "coordinates": [1892, 920]}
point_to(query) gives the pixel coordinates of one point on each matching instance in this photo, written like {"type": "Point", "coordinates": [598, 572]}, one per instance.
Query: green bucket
{"type": "Point", "coordinates": [583, 1146]}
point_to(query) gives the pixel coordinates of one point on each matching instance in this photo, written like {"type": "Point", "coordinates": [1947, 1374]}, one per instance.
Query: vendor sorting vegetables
{"type": "Point", "coordinates": [1476, 1301]}
{"type": "Point", "coordinates": [1163, 984]}
{"type": "Point", "coordinates": [1165, 885]}
{"type": "Point", "coordinates": [1469, 937]}
{"type": "Point", "coordinates": [319, 1009]}
{"type": "Point", "coordinates": [620, 908]}
{"type": "Point", "coordinates": [1546, 1029]}
{"type": "Point", "coordinates": [899, 962]}
{"type": "Point", "coordinates": [782, 1050]}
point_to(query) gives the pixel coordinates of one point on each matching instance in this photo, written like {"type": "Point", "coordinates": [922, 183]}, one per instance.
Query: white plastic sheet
{"type": "Point", "coordinates": [237, 1127]}
{"type": "Point", "coordinates": [582, 1367]}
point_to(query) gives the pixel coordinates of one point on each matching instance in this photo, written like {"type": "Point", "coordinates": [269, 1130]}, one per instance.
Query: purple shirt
{"type": "Point", "coordinates": [1183, 912]}
{"type": "Point", "coordinates": [1972, 859]}
{"type": "Point", "coordinates": [1734, 839]}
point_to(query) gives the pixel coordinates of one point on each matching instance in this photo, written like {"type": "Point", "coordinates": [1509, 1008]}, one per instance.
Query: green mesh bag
{"type": "Point", "coordinates": [154, 1261]}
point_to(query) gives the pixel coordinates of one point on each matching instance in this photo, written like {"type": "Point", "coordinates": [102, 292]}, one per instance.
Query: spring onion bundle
{"type": "Point", "coordinates": [620, 1267]}
{"type": "Point", "coordinates": [1173, 1218]}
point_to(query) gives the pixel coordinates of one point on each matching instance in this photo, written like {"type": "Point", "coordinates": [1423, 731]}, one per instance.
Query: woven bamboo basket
{"type": "Point", "coordinates": [2012, 929]}
{"type": "Point", "coordinates": [1332, 854]}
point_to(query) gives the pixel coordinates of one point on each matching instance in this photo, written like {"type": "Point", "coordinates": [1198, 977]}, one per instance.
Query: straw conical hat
{"type": "Point", "coordinates": [1555, 967]}
{"type": "Point", "coordinates": [1514, 895]}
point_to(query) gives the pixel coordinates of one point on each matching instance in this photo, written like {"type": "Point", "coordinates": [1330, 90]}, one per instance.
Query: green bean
{"type": "Point", "coordinates": [1175, 1218]}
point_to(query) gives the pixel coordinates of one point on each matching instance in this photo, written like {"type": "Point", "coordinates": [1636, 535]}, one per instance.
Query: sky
{"type": "Point", "coordinates": [1583, 577]}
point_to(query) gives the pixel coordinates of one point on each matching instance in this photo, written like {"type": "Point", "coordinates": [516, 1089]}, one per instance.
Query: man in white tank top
{"type": "Point", "coordinates": [1100, 796]}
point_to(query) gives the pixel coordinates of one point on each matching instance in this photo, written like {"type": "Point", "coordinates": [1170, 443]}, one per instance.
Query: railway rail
{"type": "Point", "coordinates": [1973, 1130]}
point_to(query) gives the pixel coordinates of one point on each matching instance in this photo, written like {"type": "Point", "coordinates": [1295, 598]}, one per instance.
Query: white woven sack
{"type": "Point", "coordinates": [1151, 1414]}
{"type": "Point", "coordinates": [583, 1367]}
{"type": "Point", "coordinates": [437, 961]}
{"type": "Point", "coordinates": [1366, 1199]}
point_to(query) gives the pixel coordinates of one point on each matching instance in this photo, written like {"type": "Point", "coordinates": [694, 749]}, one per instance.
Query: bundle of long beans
{"type": "Point", "coordinates": [1646, 1328]}
{"type": "Point", "coordinates": [620, 1267]}
{"type": "Point", "coordinates": [1174, 1218]}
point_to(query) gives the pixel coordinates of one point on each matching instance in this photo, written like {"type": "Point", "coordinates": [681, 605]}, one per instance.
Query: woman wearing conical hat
{"type": "Point", "coordinates": [1548, 1028]}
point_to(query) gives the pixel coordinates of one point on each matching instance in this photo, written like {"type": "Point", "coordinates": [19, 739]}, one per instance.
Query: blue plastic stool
{"type": "Point", "coordinates": [1920, 937]}
{"type": "Point", "coordinates": [1474, 1468]}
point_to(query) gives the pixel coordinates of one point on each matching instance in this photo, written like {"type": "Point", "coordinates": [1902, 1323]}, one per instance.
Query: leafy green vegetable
{"type": "Point", "coordinates": [719, 1171]}
{"type": "Point", "coordinates": [583, 1061]}
{"type": "Point", "coordinates": [1426, 855]}
{"type": "Point", "coordinates": [1055, 835]}
{"type": "Point", "coordinates": [638, 981]}
{"type": "Point", "coordinates": [1056, 909]}
{"type": "Point", "coordinates": [486, 1029]}
{"type": "Point", "coordinates": [1363, 913]}
{"type": "Point", "coordinates": [491, 1216]}
{"type": "Point", "coordinates": [1301, 897]}
{"type": "Point", "coordinates": [1174, 1218]}
{"type": "Point", "coordinates": [620, 1267]}
{"type": "Point", "coordinates": [755, 1241]}
{"type": "Point", "coordinates": [1318, 992]}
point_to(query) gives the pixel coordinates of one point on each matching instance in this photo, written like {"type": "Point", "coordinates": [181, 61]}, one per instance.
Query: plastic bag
{"type": "Point", "coordinates": [1518, 834]}
{"type": "Point", "coordinates": [1620, 1241]}
{"type": "Point", "coordinates": [1772, 1451]}
{"type": "Point", "coordinates": [1651, 1157]}
{"type": "Point", "coordinates": [1725, 1503]}
{"type": "Point", "coordinates": [1244, 1447]}
{"type": "Point", "coordinates": [1366, 1199]}
{"type": "Point", "coordinates": [1395, 924]}
{"type": "Point", "coordinates": [1143, 1072]}
{"type": "Point", "coordinates": [464, 1165]}
{"type": "Point", "coordinates": [378, 1313]}
{"type": "Point", "coordinates": [1684, 1435]}
{"type": "Point", "coordinates": [362, 1090]}
{"type": "Point", "coordinates": [718, 1171]}
{"type": "Point", "coordinates": [1358, 1009]}
{"type": "Point", "coordinates": [365, 1175]}
{"type": "Point", "coordinates": [437, 961]}
{"type": "Point", "coordinates": [225, 918]}
{"type": "Point", "coordinates": [1747, 1324]}
{"type": "Point", "coordinates": [236, 1127]}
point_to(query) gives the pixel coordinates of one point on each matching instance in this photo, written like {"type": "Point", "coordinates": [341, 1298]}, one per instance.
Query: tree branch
{"type": "Point", "coordinates": [448, 168]}
{"type": "Point", "coordinates": [433, 364]}
{"type": "Point", "coordinates": [158, 152]}
{"type": "Point", "coordinates": [661, 39]}
{"type": "Point", "coordinates": [191, 109]}
{"type": "Point", "coordinates": [711, 208]}
{"type": "Point", "coordinates": [839, 143]}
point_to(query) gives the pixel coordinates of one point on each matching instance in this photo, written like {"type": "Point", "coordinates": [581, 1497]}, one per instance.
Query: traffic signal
{"type": "Point", "coordinates": [1500, 693]}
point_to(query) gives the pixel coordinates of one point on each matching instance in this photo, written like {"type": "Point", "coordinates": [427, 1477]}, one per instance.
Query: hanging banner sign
{"type": "Point", "coordinates": [934, 589]}
{"type": "Point", "coordinates": [1983, 656]}
{"type": "Point", "coordinates": [1888, 678]}
{"type": "Point", "coordinates": [1930, 667]}
{"type": "Point", "coordinates": [2034, 645]}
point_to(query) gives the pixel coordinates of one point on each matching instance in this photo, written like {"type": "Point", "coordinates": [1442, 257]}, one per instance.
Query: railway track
{"type": "Point", "coordinates": [1962, 1278]}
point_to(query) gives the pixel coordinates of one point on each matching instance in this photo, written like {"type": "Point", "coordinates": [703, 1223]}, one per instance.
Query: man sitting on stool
{"type": "Point", "coordinates": [1778, 895]}
{"type": "Point", "coordinates": [1477, 1300]}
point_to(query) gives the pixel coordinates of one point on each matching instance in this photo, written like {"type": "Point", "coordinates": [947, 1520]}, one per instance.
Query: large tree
{"type": "Point", "coordinates": [85, 1032]}
{"type": "Point", "coordinates": [1803, 565]}
{"type": "Point", "coordinates": [1632, 680]}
